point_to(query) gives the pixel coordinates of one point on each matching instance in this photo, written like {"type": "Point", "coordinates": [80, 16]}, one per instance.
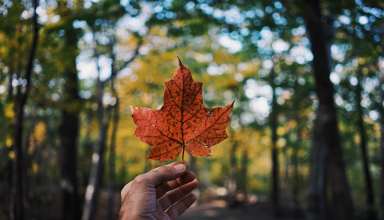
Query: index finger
{"type": "Point", "coordinates": [186, 177]}
{"type": "Point", "coordinates": [165, 173]}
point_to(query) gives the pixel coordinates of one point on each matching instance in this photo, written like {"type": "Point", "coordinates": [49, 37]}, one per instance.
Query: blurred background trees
{"type": "Point", "coordinates": [307, 131]}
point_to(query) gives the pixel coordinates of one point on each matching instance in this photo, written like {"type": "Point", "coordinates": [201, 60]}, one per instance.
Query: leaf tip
{"type": "Point", "coordinates": [180, 63]}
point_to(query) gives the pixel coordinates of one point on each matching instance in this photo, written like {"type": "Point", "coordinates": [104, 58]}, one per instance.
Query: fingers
{"type": "Point", "coordinates": [165, 173]}
{"type": "Point", "coordinates": [157, 177]}
{"type": "Point", "coordinates": [181, 206]}
{"type": "Point", "coordinates": [176, 194]}
{"type": "Point", "coordinates": [186, 177]}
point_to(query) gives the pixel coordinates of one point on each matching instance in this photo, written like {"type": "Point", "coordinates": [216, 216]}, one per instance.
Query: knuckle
{"type": "Point", "coordinates": [162, 170]}
{"type": "Point", "coordinates": [165, 170]}
{"type": "Point", "coordinates": [159, 171]}
{"type": "Point", "coordinates": [140, 179]}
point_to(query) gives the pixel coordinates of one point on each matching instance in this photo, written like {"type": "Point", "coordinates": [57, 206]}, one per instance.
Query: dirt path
{"type": "Point", "coordinates": [217, 210]}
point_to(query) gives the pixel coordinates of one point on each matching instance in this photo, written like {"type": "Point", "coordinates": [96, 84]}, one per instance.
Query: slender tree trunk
{"type": "Point", "coordinates": [370, 200]}
{"type": "Point", "coordinates": [10, 80]}
{"type": "Point", "coordinates": [382, 147]}
{"type": "Point", "coordinates": [111, 214]}
{"type": "Point", "coordinates": [28, 160]}
{"type": "Point", "coordinates": [295, 178]}
{"type": "Point", "coordinates": [275, 188]}
{"type": "Point", "coordinates": [20, 102]}
{"type": "Point", "coordinates": [19, 163]}
{"type": "Point", "coordinates": [244, 174]}
{"type": "Point", "coordinates": [296, 147]}
{"type": "Point", "coordinates": [97, 167]}
{"type": "Point", "coordinates": [286, 158]}
{"type": "Point", "coordinates": [115, 122]}
{"type": "Point", "coordinates": [327, 155]}
{"type": "Point", "coordinates": [111, 162]}
{"type": "Point", "coordinates": [69, 130]}
{"type": "Point", "coordinates": [295, 171]}
{"type": "Point", "coordinates": [232, 184]}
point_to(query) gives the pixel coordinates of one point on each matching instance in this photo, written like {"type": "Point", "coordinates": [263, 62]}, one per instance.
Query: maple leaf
{"type": "Point", "coordinates": [183, 122]}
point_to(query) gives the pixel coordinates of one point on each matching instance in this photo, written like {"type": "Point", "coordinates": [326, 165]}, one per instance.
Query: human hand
{"type": "Point", "coordinates": [162, 193]}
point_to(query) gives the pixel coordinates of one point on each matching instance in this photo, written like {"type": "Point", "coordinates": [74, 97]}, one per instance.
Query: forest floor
{"type": "Point", "coordinates": [217, 210]}
{"type": "Point", "coordinates": [211, 209]}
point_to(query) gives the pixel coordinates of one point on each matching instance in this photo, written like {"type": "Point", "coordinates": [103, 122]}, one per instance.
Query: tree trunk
{"type": "Point", "coordinates": [295, 171]}
{"type": "Point", "coordinates": [275, 189]}
{"type": "Point", "coordinates": [317, 180]}
{"type": "Point", "coordinates": [370, 202]}
{"type": "Point", "coordinates": [111, 214]}
{"type": "Point", "coordinates": [97, 167]}
{"type": "Point", "coordinates": [111, 162]}
{"type": "Point", "coordinates": [232, 184]}
{"type": "Point", "coordinates": [296, 147]}
{"type": "Point", "coordinates": [69, 130]}
{"type": "Point", "coordinates": [9, 85]}
{"type": "Point", "coordinates": [327, 155]}
{"type": "Point", "coordinates": [115, 123]}
{"type": "Point", "coordinates": [382, 147]}
{"type": "Point", "coordinates": [20, 102]}
{"type": "Point", "coordinates": [244, 174]}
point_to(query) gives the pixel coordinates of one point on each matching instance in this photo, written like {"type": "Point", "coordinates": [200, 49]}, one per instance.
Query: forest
{"type": "Point", "coordinates": [306, 135]}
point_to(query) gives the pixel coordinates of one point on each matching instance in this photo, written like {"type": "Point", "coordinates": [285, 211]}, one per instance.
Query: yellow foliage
{"type": "Point", "coordinates": [222, 57]}
{"type": "Point", "coordinates": [281, 131]}
{"type": "Point", "coordinates": [249, 69]}
{"type": "Point", "coordinates": [8, 141]}
{"type": "Point", "coordinates": [39, 132]}
{"type": "Point", "coordinates": [281, 142]}
{"type": "Point", "coordinates": [11, 155]}
{"type": "Point", "coordinates": [8, 111]}
{"type": "Point", "coordinates": [35, 167]}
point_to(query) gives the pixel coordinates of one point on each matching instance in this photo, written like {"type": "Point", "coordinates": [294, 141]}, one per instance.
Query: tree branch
{"type": "Point", "coordinates": [136, 53]}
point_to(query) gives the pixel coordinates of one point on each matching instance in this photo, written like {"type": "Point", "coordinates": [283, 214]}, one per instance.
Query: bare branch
{"type": "Point", "coordinates": [136, 53]}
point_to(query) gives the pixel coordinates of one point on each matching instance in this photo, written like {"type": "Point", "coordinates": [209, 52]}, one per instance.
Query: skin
{"type": "Point", "coordinates": [162, 193]}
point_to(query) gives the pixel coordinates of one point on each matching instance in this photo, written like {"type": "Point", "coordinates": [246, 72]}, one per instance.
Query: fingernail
{"type": "Point", "coordinates": [180, 167]}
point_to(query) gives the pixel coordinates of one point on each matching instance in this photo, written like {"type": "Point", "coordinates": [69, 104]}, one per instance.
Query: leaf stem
{"type": "Point", "coordinates": [182, 155]}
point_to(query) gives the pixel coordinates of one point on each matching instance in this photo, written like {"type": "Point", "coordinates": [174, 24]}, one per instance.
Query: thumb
{"type": "Point", "coordinates": [165, 173]}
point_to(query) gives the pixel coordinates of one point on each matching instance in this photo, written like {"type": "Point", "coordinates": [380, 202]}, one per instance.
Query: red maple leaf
{"type": "Point", "coordinates": [182, 122]}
